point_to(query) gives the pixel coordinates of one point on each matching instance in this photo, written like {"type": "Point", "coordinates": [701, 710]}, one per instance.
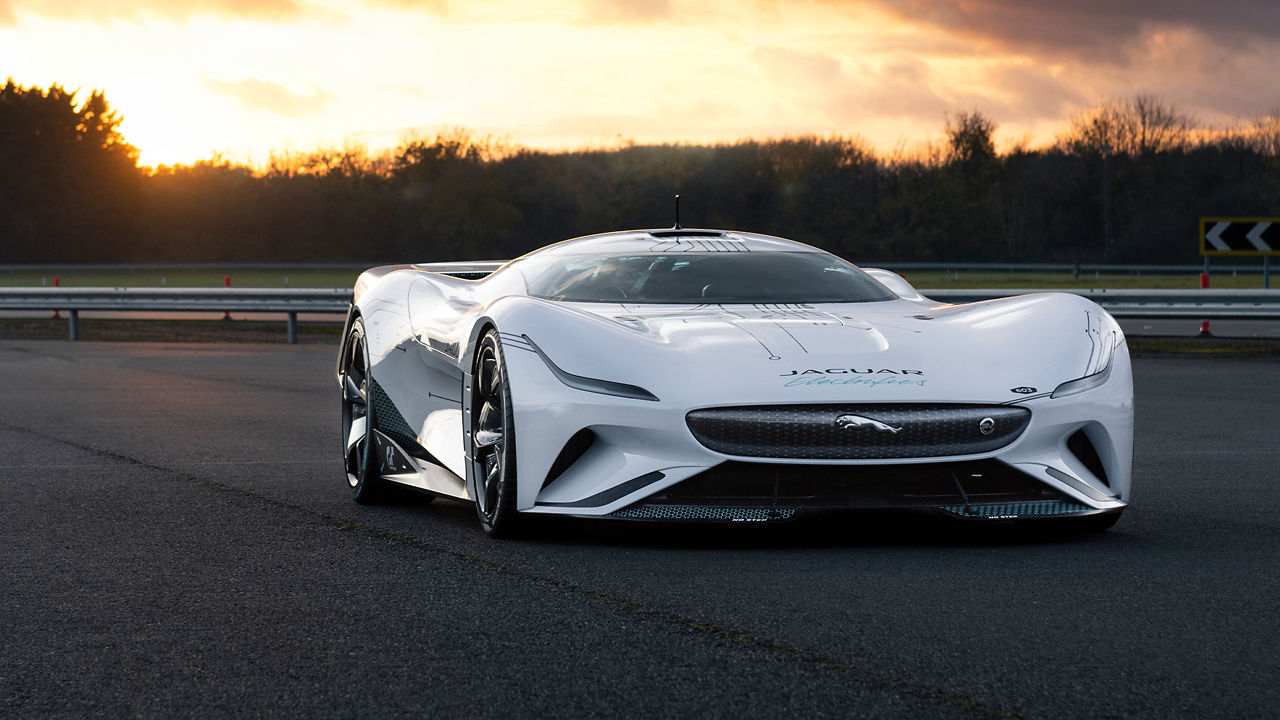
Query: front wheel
{"type": "Point", "coordinates": [493, 440]}
{"type": "Point", "coordinates": [358, 422]}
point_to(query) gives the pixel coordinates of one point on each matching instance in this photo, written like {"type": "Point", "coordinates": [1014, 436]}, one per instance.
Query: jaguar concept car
{"type": "Point", "coordinates": [728, 376]}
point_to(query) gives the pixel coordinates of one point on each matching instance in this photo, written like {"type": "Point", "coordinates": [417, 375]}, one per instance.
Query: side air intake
{"type": "Point", "coordinates": [1080, 446]}
{"type": "Point", "coordinates": [572, 451]}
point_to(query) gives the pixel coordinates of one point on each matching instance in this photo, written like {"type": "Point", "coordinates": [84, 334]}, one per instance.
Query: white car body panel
{"type": "Point", "coordinates": [423, 326]}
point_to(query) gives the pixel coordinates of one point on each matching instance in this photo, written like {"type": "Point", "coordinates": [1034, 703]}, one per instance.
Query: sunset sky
{"type": "Point", "coordinates": [245, 77]}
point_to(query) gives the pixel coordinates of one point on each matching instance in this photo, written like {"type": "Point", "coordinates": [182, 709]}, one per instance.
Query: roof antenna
{"type": "Point", "coordinates": [677, 227]}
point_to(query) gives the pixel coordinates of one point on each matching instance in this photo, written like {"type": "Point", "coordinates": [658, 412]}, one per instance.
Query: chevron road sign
{"type": "Point", "coordinates": [1239, 236]}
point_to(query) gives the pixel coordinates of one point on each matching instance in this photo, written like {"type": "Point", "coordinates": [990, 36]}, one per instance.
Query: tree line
{"type": "Point", "coordinates": [71, 191]}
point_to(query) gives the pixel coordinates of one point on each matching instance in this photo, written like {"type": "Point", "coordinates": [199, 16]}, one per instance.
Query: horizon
{"type": "Point", "coordinates": [245, 79]}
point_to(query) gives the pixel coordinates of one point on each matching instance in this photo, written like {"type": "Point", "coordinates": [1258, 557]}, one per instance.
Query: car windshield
{"type": "Point", "coordinates": [698, 278]}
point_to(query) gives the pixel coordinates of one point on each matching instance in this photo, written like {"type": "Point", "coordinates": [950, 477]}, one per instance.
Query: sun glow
{"type": "Point", "coordinates": [244, 81]}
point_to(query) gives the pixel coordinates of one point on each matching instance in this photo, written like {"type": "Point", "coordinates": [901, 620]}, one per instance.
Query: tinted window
{"type": "Point", "coordinates": [744, 277]}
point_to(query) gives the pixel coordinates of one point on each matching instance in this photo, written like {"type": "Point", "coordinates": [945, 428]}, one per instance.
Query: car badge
{"type": "Point", "coordinates": [1024, 390]}
{"type": "Point", "coordinates": [857, 421]}
{"type": "Point", "coordinates": [986, 426]}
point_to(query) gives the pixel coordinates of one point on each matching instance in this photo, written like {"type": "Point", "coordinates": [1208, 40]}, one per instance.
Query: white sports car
{"type": "Point", "coordinates": [709, 375]}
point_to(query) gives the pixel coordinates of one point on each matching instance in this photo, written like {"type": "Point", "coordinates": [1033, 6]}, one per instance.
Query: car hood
{"type": "Point", "coordinates": [893, 351]}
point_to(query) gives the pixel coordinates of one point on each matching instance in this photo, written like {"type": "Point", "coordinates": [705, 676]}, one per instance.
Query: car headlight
{"type": "Point", "coordinates": [594, 385]}
{"type": "Point", "coordinates": [1105, 335]}
{"type": "Point", "coordinates": [1079, 385]}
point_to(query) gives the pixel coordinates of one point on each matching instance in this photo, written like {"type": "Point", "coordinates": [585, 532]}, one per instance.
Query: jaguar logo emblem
{"type": "Point", "coordinates": [857, 421]}
{"type": "Point", "coordinates": [987, 426]}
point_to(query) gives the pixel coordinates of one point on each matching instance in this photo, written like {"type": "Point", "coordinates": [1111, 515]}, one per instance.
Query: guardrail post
{"type": "Point", "coordinates": [1204, 285]}
{"type": "Point", "coordinates": [74, 321]}
{"type": "Point", "coordinates": [293, 328]}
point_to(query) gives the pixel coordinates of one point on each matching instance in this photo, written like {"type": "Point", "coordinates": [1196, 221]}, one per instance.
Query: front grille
{"type": "Point", "coordinates": [736, 484]}
{"type": "Point", "coordinates": [646, 511]}
{"type": "Point", "coordinates": [1052, 508]}
{"type": "Point", "coordinates": [857, 432]}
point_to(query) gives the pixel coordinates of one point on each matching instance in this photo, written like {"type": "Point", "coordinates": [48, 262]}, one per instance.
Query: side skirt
{"type": "Point", "coordinates": [400, 467]}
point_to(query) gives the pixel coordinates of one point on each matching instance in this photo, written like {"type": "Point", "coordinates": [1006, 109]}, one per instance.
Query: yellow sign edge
{"type": "Point", "coordinates": [1204, 223]}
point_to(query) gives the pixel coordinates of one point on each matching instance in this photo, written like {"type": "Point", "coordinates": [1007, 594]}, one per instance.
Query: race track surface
{"type": "Point", "coordinates": [178, 542]}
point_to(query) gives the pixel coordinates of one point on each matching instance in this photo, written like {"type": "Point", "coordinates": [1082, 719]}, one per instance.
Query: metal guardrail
{"type": "Point", "coordinates": [240, 300]}
{"type": "Point", "coordinates": [1206, 304]}
{"type": "Point", "coordinates": [1220, 265]}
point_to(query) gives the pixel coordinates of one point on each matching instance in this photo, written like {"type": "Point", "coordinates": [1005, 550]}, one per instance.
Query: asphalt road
{"type": "Point", "coordinates": [178, 542]}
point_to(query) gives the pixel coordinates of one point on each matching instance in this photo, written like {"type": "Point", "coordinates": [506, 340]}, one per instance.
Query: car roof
{"type": "Point", "coordinates": [673, 240]}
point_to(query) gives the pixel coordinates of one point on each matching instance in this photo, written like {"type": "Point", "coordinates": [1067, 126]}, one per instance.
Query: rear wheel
{"type": "Point", "coordinates": [493, 441]}
{"type": "Point", "coordinates": [358, 422]}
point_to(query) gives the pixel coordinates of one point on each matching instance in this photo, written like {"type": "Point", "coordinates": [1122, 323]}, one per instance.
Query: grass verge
{"type": "Point", "coordinates": [194, 331]}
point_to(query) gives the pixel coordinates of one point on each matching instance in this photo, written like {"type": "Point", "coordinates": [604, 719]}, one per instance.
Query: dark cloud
{"type": "Point", "coordinates": [1085, 27]}
{"type": "Point", "coordinates": [904, 87]}
{"type": "Point", "coordinates": [260, 95]}
{"type": "Point", "coordinates": [100, 11]}
{"type": "Point", "coordinates": [1049, 61]}
{"type": "Point", "coordinates": [1214, 83]}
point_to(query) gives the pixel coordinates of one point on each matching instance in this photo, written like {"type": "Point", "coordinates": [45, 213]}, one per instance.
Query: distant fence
{"type": "Point", "coordinates": [1190, 269]}
{"type": "Point", "coordinates": [240, 300]}
{"type": "Point", "coordinates": [1150, 304]}
{"type": "Point", "coordinates": [1073, 268]}
{"type": "Point", "coordinates": [1137, 304]}
{"type": "Point", "coordinates": [146, 267]}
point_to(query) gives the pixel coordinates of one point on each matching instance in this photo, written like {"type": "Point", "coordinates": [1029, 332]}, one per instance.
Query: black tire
{"type": "Point", "coordinates": [358, 421]}
{"type": "Point", "coordinates": [493, 441]}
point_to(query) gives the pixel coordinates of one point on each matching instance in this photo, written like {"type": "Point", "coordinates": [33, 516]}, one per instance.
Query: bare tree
{"type": "Point", "coordinates": [1143, 125]}
{"type": "Point", "coordinates": [1265, 134]}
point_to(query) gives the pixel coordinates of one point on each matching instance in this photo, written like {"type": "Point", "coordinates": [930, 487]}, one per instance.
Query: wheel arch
{"type": "Point", "coordinates": [353, 312]}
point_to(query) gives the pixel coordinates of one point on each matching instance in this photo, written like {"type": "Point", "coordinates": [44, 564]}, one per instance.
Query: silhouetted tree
{"type": "Point", "coordinates": [70, 191]}
{"type": "Point", "coordinates": [1140, 126]}
{"type": "Point", "coordinates": [68, 181]}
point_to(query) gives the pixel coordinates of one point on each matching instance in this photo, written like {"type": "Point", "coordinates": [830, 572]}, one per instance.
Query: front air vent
{"type": "Point", "coordinates": [572, 451]}
{"type": "Point", "coordinates": [1080, 446]}
{"type": "Point", "coordinates": [469, 274]}
{"type": "Point", "coordinates": [738, 484]}
{"type": "Point", "coordinates": [686, 233]}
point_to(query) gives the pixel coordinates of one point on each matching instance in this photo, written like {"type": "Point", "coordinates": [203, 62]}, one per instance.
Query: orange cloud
{"type": "Point", "coordinates": [99, 11]}
{"type": "Point", "coordinates": [627, 11]}
{"type": "Point", "coordinates": [260, 95]}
